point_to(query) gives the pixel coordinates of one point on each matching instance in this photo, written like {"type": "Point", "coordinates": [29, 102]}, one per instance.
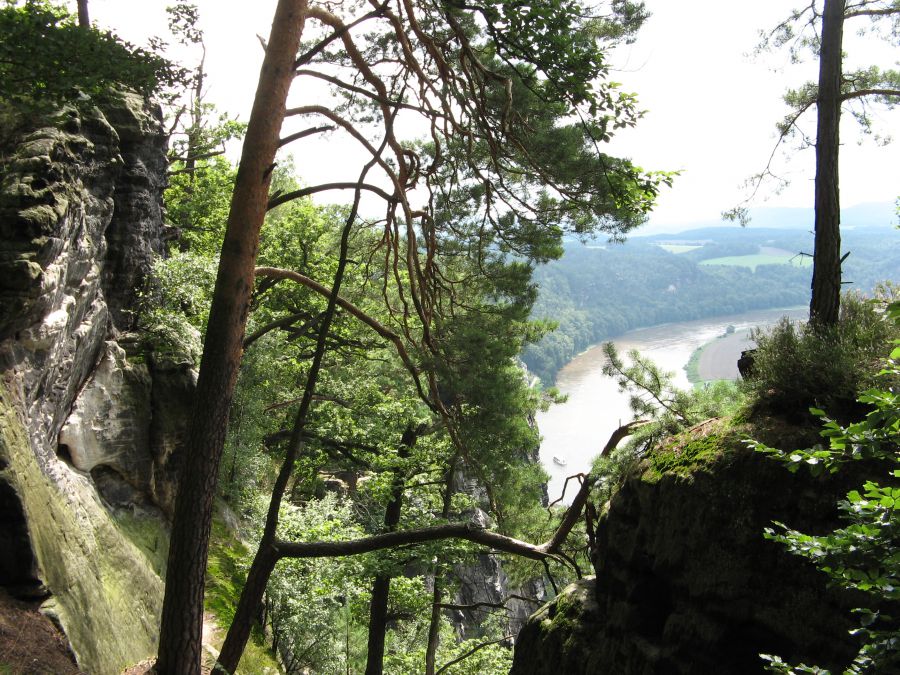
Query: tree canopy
{"type": "Point", "coordinates": [515, 104]}
{"type": "Point", "coordinates": [72, 60]}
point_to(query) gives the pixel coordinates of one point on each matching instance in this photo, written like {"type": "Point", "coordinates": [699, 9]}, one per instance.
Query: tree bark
{"type": "Point", "coordinates": [434, 627]}
{"type": "Point", "coordinates": [378, 608]}
{"type": "Point", "coordinates": [182, 615]}
{"type": "Point", "coordinates": [824, 307]}
{"type": "Point", "coordinates": [381, 587]}
{"type": "Point", "coordinates": [84, 19]}
{"type": "Point", "coordinates": [248, 605]}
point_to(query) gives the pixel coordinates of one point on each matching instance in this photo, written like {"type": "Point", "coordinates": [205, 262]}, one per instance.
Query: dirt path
{"type": "Point", "coordinates": [29, 643]}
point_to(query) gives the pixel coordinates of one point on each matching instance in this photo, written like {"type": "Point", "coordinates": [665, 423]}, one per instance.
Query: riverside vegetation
{"type": "Point", "coordinates": [696, 274]}
{"type": "Point", "coordinates": [379, 442]}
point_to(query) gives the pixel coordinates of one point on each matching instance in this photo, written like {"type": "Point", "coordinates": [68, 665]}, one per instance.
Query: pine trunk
{"type": "Point", "coordinates": [824, 305]}
{"type": "Point", "coordinates": [84, 20]}
{"type": "Point", "coordinates": [182, 616]}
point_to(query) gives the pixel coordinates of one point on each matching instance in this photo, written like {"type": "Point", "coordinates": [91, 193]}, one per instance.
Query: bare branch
{"type": "Point", "coordinates": [283, 322]}
{"type": "Point", "coordinates": [890, 93]}
{"type": "Point", "coordinates": [305, 192]}
{"type": "Point", "coordinates": [303, 134]}
{"type": "Point", "coordinates": [574, 512]}
{"type": "Point", "coordinates": [891, 11]}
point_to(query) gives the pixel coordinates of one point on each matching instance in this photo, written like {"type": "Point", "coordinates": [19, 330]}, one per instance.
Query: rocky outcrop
{"type": "Point", "coordinates": [80, 217]}
{"type": "Point", "coordinates": [482, 584]}
{"type": "Point", "coordinates": [685, 581]}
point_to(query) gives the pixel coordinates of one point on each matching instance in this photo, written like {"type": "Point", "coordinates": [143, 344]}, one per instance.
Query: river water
{"type": "Point", "coordinates": [576, 431]}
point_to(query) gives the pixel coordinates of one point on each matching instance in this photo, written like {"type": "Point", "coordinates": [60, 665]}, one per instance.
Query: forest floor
{"type": "Point", "coordinates": [29, 642]}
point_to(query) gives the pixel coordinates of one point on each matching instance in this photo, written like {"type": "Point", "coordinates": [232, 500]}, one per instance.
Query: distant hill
{"type": "Point", "coordinates": [597, 290]}
{"type": "Point", "coordinates": [874, 214]}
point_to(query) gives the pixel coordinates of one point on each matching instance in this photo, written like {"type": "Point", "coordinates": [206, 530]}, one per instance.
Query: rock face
{"type": "Point", "coordinates": [483, 580]}
{"type": "Point", "coordinates": [686, 583]}
{"type": "Point", "coordinates": [80, 217]}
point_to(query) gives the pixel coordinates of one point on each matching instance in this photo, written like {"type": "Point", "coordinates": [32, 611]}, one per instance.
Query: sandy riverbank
{"type": "Point", "coordinates": [718, 359]}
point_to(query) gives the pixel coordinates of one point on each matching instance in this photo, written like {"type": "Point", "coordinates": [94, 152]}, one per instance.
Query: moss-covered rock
{"type": "Point", "coordinates": [685, 581]}
{"type": "Point", "coordinates": [106, 596]}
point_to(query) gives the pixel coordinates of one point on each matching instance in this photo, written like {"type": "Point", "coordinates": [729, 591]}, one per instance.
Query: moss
{"type": "Point", "coordinates": [149, 534]}
{"type": "Point", "coordinates": [108, 598]}
{"type": "Point", "coordinates": [692, 450]}
{"type": "Point", "coordinates": [226, 571]}
{"type": "Point", "coordinates": [563, 612]}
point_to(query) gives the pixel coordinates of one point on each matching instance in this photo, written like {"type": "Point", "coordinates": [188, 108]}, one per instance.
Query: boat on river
{"type": "Point", "coordinates": [559, 460]}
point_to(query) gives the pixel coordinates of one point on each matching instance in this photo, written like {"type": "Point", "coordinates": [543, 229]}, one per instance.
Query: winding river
{"type": "Point", "coordinates": [575, 431]}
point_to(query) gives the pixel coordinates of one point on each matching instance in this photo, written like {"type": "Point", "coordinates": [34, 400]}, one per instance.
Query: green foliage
{"type": "Point", "coordinates": [174, 307]}
{"type": "Point", "coordinates": [864, 555]}
{"type": "Point", "coordinates": [46, 59]}
{"type": "Point", "coordinates": [364, 402]}
{"type": "Point", "coordinates": [488, 654]}
{"type": "Point", "coordinates": [796, 367]}
{"type": "Point", "coordinates": [311, 604]}
{"type": "Point", "coordinates": [197, 202]}
{"type": "Point", "coordinates": [653, 396]}
{"type": "Point", "coordinates": [226, 568]}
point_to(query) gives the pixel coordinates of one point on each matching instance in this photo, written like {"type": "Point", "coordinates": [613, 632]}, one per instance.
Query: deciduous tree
{"type": "Point", "coordinates": [517, 108]}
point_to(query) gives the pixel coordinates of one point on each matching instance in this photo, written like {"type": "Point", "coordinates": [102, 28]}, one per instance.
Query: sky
{"type": "Point", "coordinates": [711, 106]}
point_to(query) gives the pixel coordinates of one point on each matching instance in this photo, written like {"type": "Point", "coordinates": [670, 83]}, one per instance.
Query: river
{"type": "Point", "coordinates": [575, 431]}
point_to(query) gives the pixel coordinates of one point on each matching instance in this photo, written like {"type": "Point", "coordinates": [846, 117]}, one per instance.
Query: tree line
{"type": "Point", "coordinates": [599, 291]}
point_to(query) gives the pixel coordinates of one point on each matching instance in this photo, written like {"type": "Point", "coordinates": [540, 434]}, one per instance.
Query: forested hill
{"type": "Point", "coordinates": [599, 290]}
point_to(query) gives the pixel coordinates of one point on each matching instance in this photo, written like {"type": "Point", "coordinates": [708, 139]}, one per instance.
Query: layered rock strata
{"type": "Point", "coordinates": [80, 220]}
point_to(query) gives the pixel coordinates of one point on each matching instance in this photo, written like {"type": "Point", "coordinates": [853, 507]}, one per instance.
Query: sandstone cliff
{"type": "Point", "coordinates": [86, 430]}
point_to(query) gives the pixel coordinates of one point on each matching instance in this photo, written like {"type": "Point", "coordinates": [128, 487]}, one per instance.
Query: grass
{"type": "Point", "coordinates": [679, 248]}
{"type": "Point", "coordinates": [226, 571]}
{"type": "Point", "coordinates": [692, 369]}
{"type": "Point", "coordinates": [756, 259]}
{"type": "Point", "coordinates": [693, 449]}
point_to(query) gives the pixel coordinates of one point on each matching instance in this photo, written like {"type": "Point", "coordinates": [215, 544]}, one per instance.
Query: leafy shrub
{"type": "Point", "coordinates": [175, 307]}
{"type": "Point", "coordinates": [797, 367]}
{"type": "Point", "coordinates": [47, 59]}
{"type": "Point", "coordinates": [864, 556]}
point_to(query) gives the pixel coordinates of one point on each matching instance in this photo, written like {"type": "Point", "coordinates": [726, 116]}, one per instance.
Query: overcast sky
{"type": "Point", "coordinates": [711, 106]}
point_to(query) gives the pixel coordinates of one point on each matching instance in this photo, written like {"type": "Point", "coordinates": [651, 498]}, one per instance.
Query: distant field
{"type": "Point", "coordinates": [678, 248]}
{"type": "Point", "coordinates": [752, 261]}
